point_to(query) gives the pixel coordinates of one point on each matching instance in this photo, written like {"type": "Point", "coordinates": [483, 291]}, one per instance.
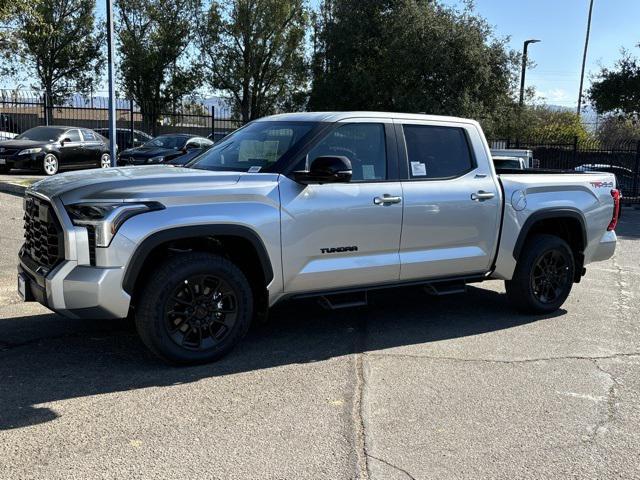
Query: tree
{"type": "Point", "coordinates": [614, 129]}
{"type": "Point", "coordinates": [618, 90]}
{"type": "Point", "coordinates": [154, 37]}
{"type": "Point", "coordinates": [253, 50]}
{"type": "Point", "coordinates": [58, 43]}
{"type": "Point", "coordinates": [410, 55]}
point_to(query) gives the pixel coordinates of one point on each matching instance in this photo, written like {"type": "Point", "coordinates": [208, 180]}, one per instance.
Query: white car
{"type": "Point", "coordinates": [7, 135]}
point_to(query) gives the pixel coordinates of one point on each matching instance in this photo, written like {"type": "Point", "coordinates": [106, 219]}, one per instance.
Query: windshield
{"type": "Point", "coordinates": [167, 141]}
{"type": "Point", "coordinates": [41, 134]}
{"type": "Point", "coordinates": [257, 146]}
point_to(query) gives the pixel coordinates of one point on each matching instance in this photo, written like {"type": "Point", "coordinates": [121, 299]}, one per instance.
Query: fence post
{"type": "Point", "coordinates": [575, 152]}
{"type": "Point", "coordinates": [131, 121]}
{"type": "Point", "coordinates": [46, 109]}
{"type": "Point", "coordinates": [213, 123]}
{"type": "Point", "coordinates": [636, 173]}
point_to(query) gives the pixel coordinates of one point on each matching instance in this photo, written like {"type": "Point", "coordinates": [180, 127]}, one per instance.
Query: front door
{"type": "Point", "coordinates": [71, 152]}
{"type": "Point", "coordinates": [340, 235]}
{"type": "Point", "coordinates": [452, 202]}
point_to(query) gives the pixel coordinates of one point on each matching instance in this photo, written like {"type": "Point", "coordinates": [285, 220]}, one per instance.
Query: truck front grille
{"type": "Point", "coordinates": [43, 237]}
{"type": "Point", "coordinates": [91, 234]}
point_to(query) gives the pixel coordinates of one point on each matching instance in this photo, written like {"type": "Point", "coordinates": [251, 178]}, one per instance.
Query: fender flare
{"type": "Point", "coordinates": [546, 214]}
{"type": "Point", "coordinates": [178, 233]}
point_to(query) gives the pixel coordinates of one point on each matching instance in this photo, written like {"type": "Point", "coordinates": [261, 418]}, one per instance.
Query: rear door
{"type": "Point", "coordinates": [92, 147]}
{"type": "Point", "coordinates": [345, 234]}
{"type": "Point", "coordinates": [452, 201]}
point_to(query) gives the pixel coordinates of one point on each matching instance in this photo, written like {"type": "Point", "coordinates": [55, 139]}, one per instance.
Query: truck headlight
{"type": "Point", "coordinates": [107, 218]}
{"type": "Point", "coordinates": [29, 151]}
{"type": "Point", "coordinates": [158, 159]}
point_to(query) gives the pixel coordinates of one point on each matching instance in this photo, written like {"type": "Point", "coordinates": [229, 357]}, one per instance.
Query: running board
{"type": "Point", "coordinates": [344, 300]}
{"type": "Point", "coordinates": [445, 288]}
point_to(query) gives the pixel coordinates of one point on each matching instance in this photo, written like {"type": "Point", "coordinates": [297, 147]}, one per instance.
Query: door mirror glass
{"type": "Point", "coordinates": [326, 169]}
{"type": "Point", "coordinates": [65, 140]}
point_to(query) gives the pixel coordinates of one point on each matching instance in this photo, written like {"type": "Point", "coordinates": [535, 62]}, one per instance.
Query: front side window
{"type": "Point", "coordinates": [437, 152]}
{"type": "Point", "coordinates": [362, 143]}
{"type": "Point", "coordinates": [256, 147]}
{"type": "Point", "coordinates": [73, 135]}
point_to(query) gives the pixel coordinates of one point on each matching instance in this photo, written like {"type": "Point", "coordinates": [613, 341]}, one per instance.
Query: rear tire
{"type": "Point", "coordinates": [543, 277]}
{"type": "Point", "coordinates": [194, 309]}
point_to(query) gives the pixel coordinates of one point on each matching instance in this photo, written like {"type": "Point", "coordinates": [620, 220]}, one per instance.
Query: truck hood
{"type": "Point", "coordinates": [131, 183]}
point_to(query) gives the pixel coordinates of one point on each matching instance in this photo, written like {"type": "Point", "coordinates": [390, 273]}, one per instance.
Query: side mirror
{"type": "Point", "coordinates": [326, 169]}
{"type": "Point", "coordinates": [65, 140]}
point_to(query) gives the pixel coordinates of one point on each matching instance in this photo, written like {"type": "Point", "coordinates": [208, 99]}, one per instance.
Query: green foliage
{"type": "Point", "coordinates": [253, 50]}
{"type": "Point", "coordinates": [615, 129]}
{"type": "Point", "coordinates": [544, 124]}
{"type": "Point", "coordinates": [413, 56]}
{"type": "Point", "coordinates": [618, 90]}
{"type": "Point", "coordinates": [154, 38]}
{"type": "Point", "coordinates": [58, 43]}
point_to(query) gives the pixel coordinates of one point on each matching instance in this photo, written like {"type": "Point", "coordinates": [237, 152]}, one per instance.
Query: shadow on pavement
{"type": "Point", "coordinates": [83, 358]}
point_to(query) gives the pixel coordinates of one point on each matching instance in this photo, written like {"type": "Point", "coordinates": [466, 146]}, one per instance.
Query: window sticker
{"type": "Point", "coordinates": [254, 169]}
{"type": "Point", "coordinates": [368, 172]}
{"type": "Point", "coordinates": [418, 169]}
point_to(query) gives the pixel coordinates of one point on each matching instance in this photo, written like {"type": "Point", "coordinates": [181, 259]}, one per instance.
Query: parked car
{"type": "Point", "coordinates": [309, 204]}
{"type": "Point", "coordinates": [187, 157]}
{"type": "Point", "coordinates": [123, 137]}
{"type": "Point", "coordinates": [624, 176]}
{"type": "Point", "coordinates": [54, 148]}
{"type": "Point", "coordinates": [163, 149]}
{"type": "Point", "coordinates": [218, 135]}
{"type": "Point", "coordinates": [508, 163]}
{"type": "Point", "coordinates": [7, 135]}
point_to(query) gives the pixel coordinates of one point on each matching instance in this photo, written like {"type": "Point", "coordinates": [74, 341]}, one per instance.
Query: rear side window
{"type": "Point", "coordinates": [437, 152]}
{"type": "Point", "coordinates": [88, 135]}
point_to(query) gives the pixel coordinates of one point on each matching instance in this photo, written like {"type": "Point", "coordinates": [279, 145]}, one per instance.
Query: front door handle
{"type": "Point", "coordinates": [481, 196]}
{"type": "Point", "coordinates": [386, 199]}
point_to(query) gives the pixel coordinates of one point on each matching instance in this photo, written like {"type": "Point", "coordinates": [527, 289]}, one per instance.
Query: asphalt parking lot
{"type": "Point", "coordinates": [410, 387]}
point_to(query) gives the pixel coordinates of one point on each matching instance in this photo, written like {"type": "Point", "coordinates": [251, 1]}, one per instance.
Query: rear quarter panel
{"type": "Point", "coordinates": [588, 194]}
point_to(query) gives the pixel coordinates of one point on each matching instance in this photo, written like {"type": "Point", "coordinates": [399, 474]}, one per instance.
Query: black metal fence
{"type": "Point", "coordinates": [621, 158]}
{"type": "Point", "coordinates": [20, 111]}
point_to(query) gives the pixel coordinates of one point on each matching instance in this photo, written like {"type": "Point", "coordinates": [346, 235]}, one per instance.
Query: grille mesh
{"type": "Point", "coordinates": [43, 239]}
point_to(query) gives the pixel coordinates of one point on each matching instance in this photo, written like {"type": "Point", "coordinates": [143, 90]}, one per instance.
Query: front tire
{"type": "Point", "coordinates": [50, 164]}
{"type": "Point", "coordinates": [194, 309]}
{"type": "Point", "coordinates": [543, 277]}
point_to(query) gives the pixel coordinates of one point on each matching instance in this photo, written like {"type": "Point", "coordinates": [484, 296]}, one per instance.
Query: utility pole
{"type": "Point", "coordinates": [524, 68]}
{"type": "Point", "coordinates": [112, 90]}
{"type": "Point", "coordinates": [584, 57]}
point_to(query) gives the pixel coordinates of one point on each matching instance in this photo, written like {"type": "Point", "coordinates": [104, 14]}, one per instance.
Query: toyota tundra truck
{"type": "Point", "coordinates": [330, 205]}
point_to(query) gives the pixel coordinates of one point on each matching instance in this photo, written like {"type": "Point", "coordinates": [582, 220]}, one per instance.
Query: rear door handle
{"type": "Point", "coordinates": [481, 196]}
{"type": "Point", "coordinates": [386, 199]}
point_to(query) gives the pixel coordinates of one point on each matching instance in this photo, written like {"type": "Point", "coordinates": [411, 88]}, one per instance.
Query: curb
{"type": "Point", "coordinates": [12, 188]}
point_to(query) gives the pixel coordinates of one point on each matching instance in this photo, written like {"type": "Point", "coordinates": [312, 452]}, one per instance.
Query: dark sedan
{"type": "Point", "coordinates": [50, 149]}
{"type": "Point", "coordinates": [123, 137]}
{"type": "Point", "coordinates": [163, 149]}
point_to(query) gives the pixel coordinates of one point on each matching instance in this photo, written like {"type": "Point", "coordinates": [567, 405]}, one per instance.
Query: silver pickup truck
{"type": "Point", "coordinates": [312, 204]}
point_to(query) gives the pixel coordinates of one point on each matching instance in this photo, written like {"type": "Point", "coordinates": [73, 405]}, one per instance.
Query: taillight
{"type": "Point", "coordinates": [615, 193]}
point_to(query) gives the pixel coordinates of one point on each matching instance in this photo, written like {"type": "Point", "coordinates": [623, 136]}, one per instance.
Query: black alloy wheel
{"type": "Point", "coordinates": [201, 312]}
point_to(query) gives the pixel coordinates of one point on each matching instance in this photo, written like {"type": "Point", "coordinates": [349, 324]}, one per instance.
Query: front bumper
{"type": "Point", "coordinates": [23, 162]}
{"type": "Point", "coordinates": [77, 291]}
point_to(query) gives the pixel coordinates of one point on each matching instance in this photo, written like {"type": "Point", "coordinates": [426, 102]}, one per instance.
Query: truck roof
{"type": "Point", "coordinates": [338, 116]}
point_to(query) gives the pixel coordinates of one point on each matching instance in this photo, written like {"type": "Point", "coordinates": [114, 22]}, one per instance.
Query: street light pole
{"type": "Point", "coordinates": [524, 68]}
{"type": "Point", "coordinates": [584, 57]}
{"type": "Point", "coordinates": [112, 90]}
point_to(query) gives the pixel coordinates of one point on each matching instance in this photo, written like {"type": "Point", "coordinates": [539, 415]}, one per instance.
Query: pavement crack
{"type": "Point", "coordinates": [611, 403]}
{"type": "Point", "coordinates": [401, 470]}
{"type": "Point", "coordinates": [358, 420]}
{"type": "Point", "coordinates": [506, 362]}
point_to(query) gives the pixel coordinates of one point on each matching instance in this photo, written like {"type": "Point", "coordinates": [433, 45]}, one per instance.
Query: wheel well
{"type": "Point", "coordinates": [237, 249]}
{"type": "Point", "coordinates": [568, 228]}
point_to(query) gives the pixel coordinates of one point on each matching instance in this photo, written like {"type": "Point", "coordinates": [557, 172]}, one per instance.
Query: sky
{"type": "Point", "coordinates": [561, 25]}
